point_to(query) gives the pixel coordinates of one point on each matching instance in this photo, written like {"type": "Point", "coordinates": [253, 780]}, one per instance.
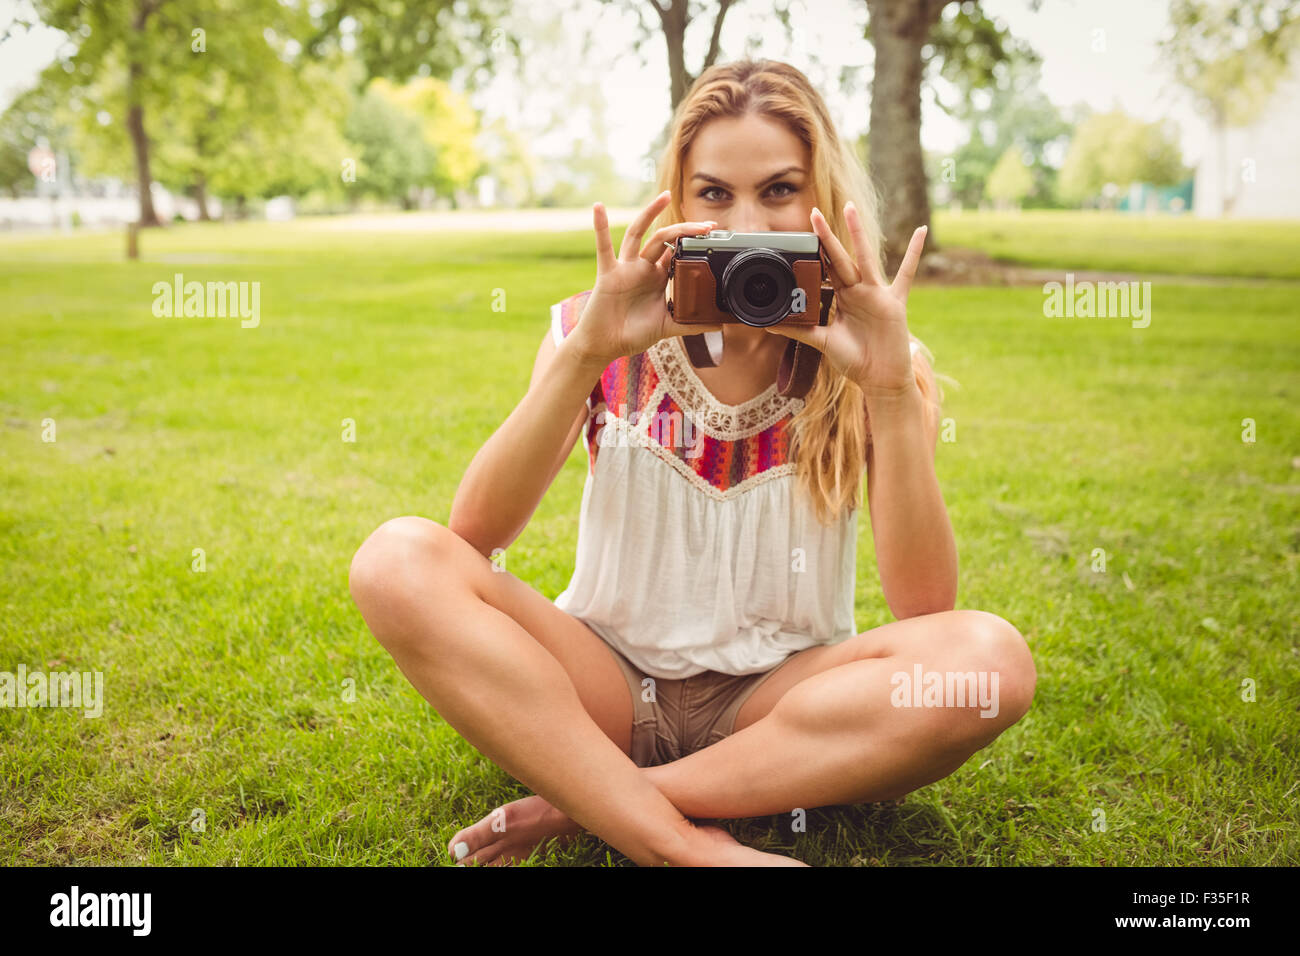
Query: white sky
{"type": "Point", "coordinates": [1123, 72]}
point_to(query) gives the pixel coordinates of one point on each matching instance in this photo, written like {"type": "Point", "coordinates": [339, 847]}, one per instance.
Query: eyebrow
{"type": "Point", "coordinates": [726, 185]}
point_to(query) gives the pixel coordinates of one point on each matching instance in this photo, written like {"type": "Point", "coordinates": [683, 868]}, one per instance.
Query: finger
{"type": "Point", "coordinates": [673, 232]}
{"type": "Point", "coordinates": [665, 256]}
{"type": "Point", "coordinates": [632, 238]}
{"type": "Point", "coordinates": [867, 260]}
{"type": "Point", "coordinates": [843, 271]}
{"type": "Point", "coordinates": [902, 284]}
{"type": "Point", "coordinates": [809, 335]}
{"type": "Point", "coordinates": [604, 248]}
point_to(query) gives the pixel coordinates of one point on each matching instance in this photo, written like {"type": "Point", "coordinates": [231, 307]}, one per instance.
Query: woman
{"type": "Point", "coordinates": [704, 662]}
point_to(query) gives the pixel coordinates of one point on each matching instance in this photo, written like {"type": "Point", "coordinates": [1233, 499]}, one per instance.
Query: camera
{"type": "Point", "coordinates": [758, 278]}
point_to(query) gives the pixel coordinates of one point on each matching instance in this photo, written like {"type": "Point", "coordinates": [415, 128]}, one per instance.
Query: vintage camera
{"type": "Point", "coordinates": [758, 278]}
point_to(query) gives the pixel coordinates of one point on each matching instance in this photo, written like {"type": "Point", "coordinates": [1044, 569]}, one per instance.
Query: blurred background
{"type": "Point", "coordinates": [167, 110]}
{"type": "Point", "coordinates": [395, 194]}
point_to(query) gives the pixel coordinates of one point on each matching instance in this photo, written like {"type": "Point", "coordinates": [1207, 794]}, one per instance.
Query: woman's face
{"type": "Point", "coordinates": [750, 174]}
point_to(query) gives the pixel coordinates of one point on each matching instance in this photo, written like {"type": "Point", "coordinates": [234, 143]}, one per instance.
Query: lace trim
{"type": "Point", "coordinates": [725, 422]}
{"type": "Point", "coordinates": [639, 435]}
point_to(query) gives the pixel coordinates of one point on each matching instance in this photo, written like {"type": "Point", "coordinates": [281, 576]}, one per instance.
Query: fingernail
{"type": "Point", "coordinates": [462, 850]}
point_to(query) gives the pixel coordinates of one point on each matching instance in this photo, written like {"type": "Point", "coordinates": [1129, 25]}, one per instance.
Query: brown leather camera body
{"type": "Point", "coordinates": [693, 300]}
{"type": "Point", "coordinates": [695, 293]}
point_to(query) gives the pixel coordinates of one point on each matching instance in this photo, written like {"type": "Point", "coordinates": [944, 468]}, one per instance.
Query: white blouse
{"type": "Point", "coordinates": [696, 551]}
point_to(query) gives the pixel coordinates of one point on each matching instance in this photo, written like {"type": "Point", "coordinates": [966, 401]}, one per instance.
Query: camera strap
{"type": "Point", "coordinates": [799, 363]}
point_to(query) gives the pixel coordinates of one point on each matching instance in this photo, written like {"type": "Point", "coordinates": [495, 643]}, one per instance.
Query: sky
{"type": "Point", "coordinates": [1100, 52]}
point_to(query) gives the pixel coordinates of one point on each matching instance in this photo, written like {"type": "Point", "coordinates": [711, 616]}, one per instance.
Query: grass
{"type": "Point", "coordinates": [1124, 242]}
{"type": "Point", "coordinates": [226, 691]}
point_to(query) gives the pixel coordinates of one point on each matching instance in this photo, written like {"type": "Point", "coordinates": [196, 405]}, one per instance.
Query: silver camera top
{"type": "Point", "coordinates": [725, 239]}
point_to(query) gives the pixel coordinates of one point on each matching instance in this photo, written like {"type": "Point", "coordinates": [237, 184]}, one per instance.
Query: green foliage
{"type": "Point", "coordinates": [448, 126]}
{"type": "Point", "coordinates": [34, 118]}
{"type": "Point", "coordinates": [400, 39]}
{"type": "Point", "coordinates": [394, 159]}
{"type": "Point", "coordinates": [1231, 56]}
{"type": "Point", "coordinates": [1013, 111]}
{"type": "Point", "coordinates": [1116, 149]}
{"type": "Point", "coordinates": [1010, 180]}
{"type": "Point", "coordinates": [971, 50]}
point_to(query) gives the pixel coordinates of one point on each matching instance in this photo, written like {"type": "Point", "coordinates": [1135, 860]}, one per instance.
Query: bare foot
{"type": "Point", "coordinates": [720, 848]}
{"type": "Point", "coordinates": [510, 833]}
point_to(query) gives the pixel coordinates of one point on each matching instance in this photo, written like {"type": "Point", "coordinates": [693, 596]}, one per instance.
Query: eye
{"type": "Point", "coordinates": [789, 186]}
{"type": "Point", "coordinates": [704, 193]}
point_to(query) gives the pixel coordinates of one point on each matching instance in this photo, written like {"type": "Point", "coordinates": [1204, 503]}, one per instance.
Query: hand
{"type": "Point", "coordinates": [866, 338]}
{"type": "Point", "coordinates": [627, 312]}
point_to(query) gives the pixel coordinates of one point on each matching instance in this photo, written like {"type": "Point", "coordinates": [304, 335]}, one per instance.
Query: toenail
{"type": "Point", "coordinates": [462, 850]}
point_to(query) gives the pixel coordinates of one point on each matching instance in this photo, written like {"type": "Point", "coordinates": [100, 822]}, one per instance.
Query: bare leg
{"type": "Point", "coordinates": [421, 593]}
{"type": "Point", "coordinates": [824, 731]}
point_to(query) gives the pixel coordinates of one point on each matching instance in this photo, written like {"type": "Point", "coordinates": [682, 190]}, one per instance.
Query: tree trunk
{"type": "Point", "coordinates": [201, 197]}
{"type": "Point", "coordinates": [674, 20]}
{"type": "Point", "coordinates": [899, 28]}
{"type": "Point", "coordinates": [1228, 193]}
{"type": "Point", "coordinates": [140, 142]}
{"type": "Point", "coordinates": [135, 114]}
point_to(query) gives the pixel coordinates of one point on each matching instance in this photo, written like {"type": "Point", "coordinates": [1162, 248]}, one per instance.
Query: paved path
{"type": "Point", "coordinates": [474, 220]}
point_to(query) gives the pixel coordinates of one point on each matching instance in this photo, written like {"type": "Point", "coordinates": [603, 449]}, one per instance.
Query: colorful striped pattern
{"type": "Point", "coordinates": [631, 382]}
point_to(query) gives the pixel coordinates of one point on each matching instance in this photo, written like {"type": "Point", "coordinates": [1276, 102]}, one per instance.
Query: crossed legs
{"type": "Point", "coordinates": [540, 695]}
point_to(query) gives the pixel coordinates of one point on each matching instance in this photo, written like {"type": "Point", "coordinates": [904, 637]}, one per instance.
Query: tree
{"type": "Point", "coordinates": [398, 39]}
{"type": "Point", "coordinates": [1011, 111]}
{"type": "Point", "coordinates": [1230, 58]}
{"type": "Point", "coordinates": [1010, 181]}
{"type": "Point", "coordinates": [37, 117]}
{"type": "Point", "coordinates": [1117, 150]}
{"type": "Point", "coordinates": [911, 38]}
{"type": "Point", "coordinates": [148, 61]}
{"type": "Point", "coordinates": [394, 159]}
{"type": "Point", "coordinates": [448, 126]}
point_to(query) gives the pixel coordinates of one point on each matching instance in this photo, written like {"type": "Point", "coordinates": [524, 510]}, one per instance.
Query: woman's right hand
{"type": "Point", "coordinates": [626, 312]}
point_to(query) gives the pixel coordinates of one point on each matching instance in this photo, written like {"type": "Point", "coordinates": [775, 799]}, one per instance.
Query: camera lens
{"type": "Point", "coordinates": [756, 287]}
{"type": "Point", "coordinates": [760, 290]}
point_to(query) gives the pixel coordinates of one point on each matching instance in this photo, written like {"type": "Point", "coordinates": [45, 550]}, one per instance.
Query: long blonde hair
{"type": "Point", "coordinates": [831, 433]}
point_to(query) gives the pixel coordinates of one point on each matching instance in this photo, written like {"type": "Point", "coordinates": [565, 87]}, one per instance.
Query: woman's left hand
{"type": "Point", "coordinates": [866, 338]}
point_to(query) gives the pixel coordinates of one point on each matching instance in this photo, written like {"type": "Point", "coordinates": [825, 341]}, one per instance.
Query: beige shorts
{"type": "Point", "coordinates": [686, 714]}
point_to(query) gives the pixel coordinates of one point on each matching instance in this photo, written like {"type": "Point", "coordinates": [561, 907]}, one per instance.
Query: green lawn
{"type": "Point", "coordinates": [225, 689]}
{"type": "Point", "coordinates": [1129, 243]}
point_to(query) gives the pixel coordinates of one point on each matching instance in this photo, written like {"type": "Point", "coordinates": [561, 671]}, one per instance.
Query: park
{"type": "Point", "coordinates": [198, 438]}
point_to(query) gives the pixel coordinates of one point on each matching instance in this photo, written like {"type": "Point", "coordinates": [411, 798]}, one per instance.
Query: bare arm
{"type": "Point", "coordinates": [508, 476]}
{"type": "Point", "coordinates": [915, 550]}
{"type": "Point", "coordinates": [625, 314]}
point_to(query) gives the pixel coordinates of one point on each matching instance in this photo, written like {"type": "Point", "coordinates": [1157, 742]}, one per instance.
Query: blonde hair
{"type": "Point", "coordinates": [831, 433]}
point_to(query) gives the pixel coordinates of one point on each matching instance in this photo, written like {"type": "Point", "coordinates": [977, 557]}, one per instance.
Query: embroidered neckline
{"type": "Point", "coordinates": [716, 418]}
{"type": "Point", "coordinates": [636, 435]}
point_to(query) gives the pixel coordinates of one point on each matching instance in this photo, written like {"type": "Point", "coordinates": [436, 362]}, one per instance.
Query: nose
{"type": "Point", "coordinates": [747, 215]}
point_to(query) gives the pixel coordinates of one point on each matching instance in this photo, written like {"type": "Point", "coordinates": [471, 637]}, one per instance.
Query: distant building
{"type": "Point", "coordinates": [1261, 160]}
